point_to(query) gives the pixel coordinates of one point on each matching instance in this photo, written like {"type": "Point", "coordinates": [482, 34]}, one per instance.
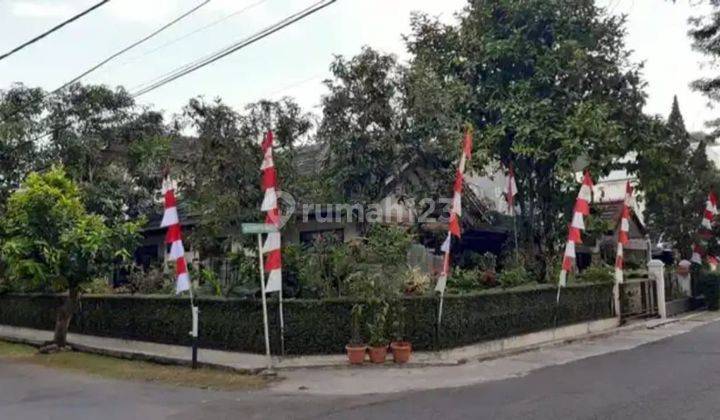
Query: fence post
{"type": "Point", "coordinates": [656, 271]}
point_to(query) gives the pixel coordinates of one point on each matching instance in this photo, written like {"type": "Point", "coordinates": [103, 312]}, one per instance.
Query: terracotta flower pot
{"type": "Point", "coordinates": [401, 351]}
{"type": "Point", "coordinates": [356, 353]}
{"type": "Point", "coordinates": [378, 354]}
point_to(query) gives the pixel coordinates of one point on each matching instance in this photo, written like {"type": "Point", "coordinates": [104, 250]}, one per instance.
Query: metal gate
{"type": "Point", "coordinates": [638, 299]}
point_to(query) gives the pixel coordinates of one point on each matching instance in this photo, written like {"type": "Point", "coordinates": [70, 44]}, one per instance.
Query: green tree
{"type": "Point", "coordinates": [220, 173]}
{"type": "Point", "coordinates": [51, 241]}
{"type": "Point", "coordinates": [676, 177]}
{"type": "Point", "coordinates": [21, 124]}
{"type": "Point", "coordinates": [100, 135]}
{"type": "Point", "coordinates": [550, 88]}
{"type": "Point", "coordinates": [362, 125]}
{"type": "Point", "coordinates": [704, 33]}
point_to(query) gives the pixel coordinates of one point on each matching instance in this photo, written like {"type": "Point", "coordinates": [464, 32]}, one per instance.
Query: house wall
{"type": "Point", "coordinates": [490, 187]}
{"type": "Point", "coordinates": [291, 234]}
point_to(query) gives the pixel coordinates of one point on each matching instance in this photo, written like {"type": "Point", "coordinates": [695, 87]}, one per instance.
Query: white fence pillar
{"type": "Point", "coordinates": [656, 271]}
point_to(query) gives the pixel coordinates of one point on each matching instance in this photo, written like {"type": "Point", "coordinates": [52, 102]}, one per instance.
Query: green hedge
{"type": "Point", "coordinates": [711, 289]}
{"type": "Point", "coordinates": [312, 326]}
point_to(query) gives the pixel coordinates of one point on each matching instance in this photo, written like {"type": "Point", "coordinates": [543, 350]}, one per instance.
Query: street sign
{"type": "Point", "coordinates": [258, 228]}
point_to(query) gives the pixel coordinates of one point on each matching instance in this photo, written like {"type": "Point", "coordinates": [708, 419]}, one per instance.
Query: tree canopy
{"type": "Point", "coordinates": [51, 241]}
{"type": "Point", "coordinates": [548, 84]}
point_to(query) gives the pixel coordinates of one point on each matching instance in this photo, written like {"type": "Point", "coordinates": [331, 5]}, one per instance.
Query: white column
{"type": "Point", "coordinates": [616, 299]}
{"type": "Point", "coordinates": [656, 271]}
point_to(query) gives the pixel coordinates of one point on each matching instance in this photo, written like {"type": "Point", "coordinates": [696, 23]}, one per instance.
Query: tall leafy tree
{"type": "Point", "coordinates": [548, 84]}
{"type": "Point", "coordinates": [671, 199]}
{"type": "Point", "coordinates": [362, 125]}
{"type": "Point", "coordinates": [99, 135]}
{"type": "Point", "coordinates": [676, 177]}
{"type": "Point", "coordinates": [221, 164]}
{"type": "Point", "coordinates": [21, 124]}
{"type": "Point", "coordinates": [51, 241]}
{"type": "Point", "coordinates": [705, 32]}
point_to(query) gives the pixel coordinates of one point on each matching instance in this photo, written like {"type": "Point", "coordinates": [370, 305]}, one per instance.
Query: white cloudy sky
{"type": "Point", "coordinates": [292, 62]}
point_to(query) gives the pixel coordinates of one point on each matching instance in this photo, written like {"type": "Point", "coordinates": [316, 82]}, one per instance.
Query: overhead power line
{"type": "Point", "coordinates": [133, 45]}
{"type": "Point", "coordinates": [107, 60]}
{"type": "Point", "coordinates": [54, 29]}
{"type": "Point", "coordinates": [200, 29]}
{"type": "Point", "coordinates": [198, 64]}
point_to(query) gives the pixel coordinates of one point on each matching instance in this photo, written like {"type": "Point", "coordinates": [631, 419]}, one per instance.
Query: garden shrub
{"type": "Point", "coordinates": [464, 280]}
{"type": "Point", "coordinates": [597, 273]}
{"type": "Point", "coordinates": [314, 326]}
{"type": "Point", "coordinates": [711, 289]}
{"type": "Point", "coordinates": [514, 277]}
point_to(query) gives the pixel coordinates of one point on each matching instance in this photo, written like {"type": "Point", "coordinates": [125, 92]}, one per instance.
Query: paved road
{"type": "Point", "coordinates": [675, 378]}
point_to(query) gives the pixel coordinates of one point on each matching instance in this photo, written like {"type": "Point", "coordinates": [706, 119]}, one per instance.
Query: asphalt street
{"type": "Point", "coordinates": [674, 378]}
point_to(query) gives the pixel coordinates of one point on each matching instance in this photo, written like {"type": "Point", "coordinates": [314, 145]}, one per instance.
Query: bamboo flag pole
{"type": "Point", "coordinates": [510, 194]}
{"type": "Point", "coordinates": [171, 221]}
{"type": "Point", "coordinates": [272, 246]}
{"type": "Point", "coordinates": [454, 223]}
{"type": "Point", "coordinates": [581, 209]}
{"type": "Point", "coordinates": [264, 302]}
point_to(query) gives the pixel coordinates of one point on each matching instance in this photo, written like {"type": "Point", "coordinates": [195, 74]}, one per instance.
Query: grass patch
{"type": "Point", "coordinates": [12, 350]}
{"type": "Point", "coordinates": [131, 370]}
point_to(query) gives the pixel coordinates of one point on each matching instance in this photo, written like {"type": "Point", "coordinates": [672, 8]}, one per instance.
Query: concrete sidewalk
{"type": "Point", "coordinates": [330, 375]}
{"type": "Point", "coordinates": [362, 381]}
{"type": "Point", "coordinates": [254, 363]}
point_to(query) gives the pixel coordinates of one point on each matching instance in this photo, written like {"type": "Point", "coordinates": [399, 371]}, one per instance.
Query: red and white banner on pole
{"type": "Point", "coordinates": [511, 190]}
{"type": "Point", "coordinates": [706, 230]}
{"type": "Point", "coordinates": [271, 247]}
{"type": "Point", "coordinates": [171, 221]}
{"type": "Point", "coordinates": [710, 212]}
{"type": "Point", "coordinates": [454, 228]}
{"type": "Point", "coordinates": [582, 209]}
{"type": "Point", "coordinates": [623, 233]}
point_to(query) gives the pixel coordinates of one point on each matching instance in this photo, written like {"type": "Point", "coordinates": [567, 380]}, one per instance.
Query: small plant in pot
{"type": "Point", "coordinates": [356, 349]}
{"type": "Point", "coordinates": [401, 349]}
{"type": "Point", "coordinates": [378, 336]}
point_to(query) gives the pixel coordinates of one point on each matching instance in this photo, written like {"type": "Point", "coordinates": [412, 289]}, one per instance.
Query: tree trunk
{"type": "Point", "coordinates": [64, 316]}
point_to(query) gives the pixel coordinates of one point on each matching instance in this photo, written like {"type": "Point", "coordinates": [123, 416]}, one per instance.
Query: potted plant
{"type": "Point", "coordinates": [378, 336]}
{"type": "Point", "coordinates": [356, 349]}
{"type": "Point", "coordinates": [400, 348]}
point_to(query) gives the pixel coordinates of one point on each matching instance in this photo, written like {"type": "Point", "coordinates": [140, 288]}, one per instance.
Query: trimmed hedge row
{"type": "Point", "coordinates": [313, 326]}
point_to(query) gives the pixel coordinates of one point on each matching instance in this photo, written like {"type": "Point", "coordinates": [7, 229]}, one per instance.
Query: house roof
{"type": "Point", "coordinates": [611, 211]}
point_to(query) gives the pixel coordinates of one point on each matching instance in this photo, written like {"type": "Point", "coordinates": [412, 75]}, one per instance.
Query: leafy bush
{"type": "Point", "coordinates": [322, 267]}
{"type": "Point", "coordinates": [597, 273]}
{"type": "Point", "coordinates": [514, 277]}
{"type": "Point", "coordinates": [711, 289]}
{"type": "Point", "coordinates": [234, 276]}
{"type": "Point", "coordinates": [312, 326]}
{"type": "Point", "coordinates": [377, 328]}
{"type": "Point", "coordinates": [464, 280]}
{"type": "Point", "coordinates": [388, 244]}
{"type": "Point", "coordinates": [154, 280]}
{"type": "Point", "coordinates": [325, 266]}
{"type": "Point", "coordinates": [483, 262]}
{"type": "Point", "coordinates": [99, 286]}
{"type": "Point", "coordinates": [415, 281]}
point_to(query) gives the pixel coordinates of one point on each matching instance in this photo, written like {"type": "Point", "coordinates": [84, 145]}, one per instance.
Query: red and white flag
{"type": "Point", "coordinates": [696, 254]}
{"type": "Point", "coordinates": [623, 233]}
{"type": "Point", "coordinates": [271, 247]}
{"type": "Point", "coordinates": [713, 262]}
{"type": "Point", "coordinates": [710, 212]}
{"type": "Point", "coordinates": [582, 208]}
{"type": "Point", "coordinates": [455, 211]}
{"type": "Point", "coordinates": [511, 190]}
{"type": "Point", "coordinates": [171, 221]}
{"type": "Point", "coordinates": [706, 226]}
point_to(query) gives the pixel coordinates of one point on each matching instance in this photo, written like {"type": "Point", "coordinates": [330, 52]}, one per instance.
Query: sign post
{"type": "Point", "coordinates": [259, 229]}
